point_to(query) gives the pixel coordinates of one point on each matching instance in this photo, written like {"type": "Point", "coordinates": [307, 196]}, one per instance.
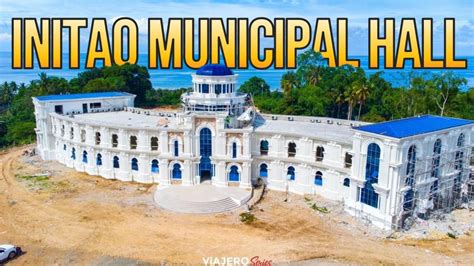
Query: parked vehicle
{"type": "Point", "coordinates": [8, 252]}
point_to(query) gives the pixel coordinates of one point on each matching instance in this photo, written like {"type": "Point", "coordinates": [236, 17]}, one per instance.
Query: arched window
{"type": "Point", "coordinates": [348, 160]}
{"type": "Point", "coordinates": [83, 135]}
{"type": "Point", "coordinates": [116, 162]}
{"type": "Point", "coordinates": [114, 140]}
{"type": "Point", "coordinates": [435, 163]}
{"type": "Point", "coordinates": [347, 182]}
{"type": "Point", "coordinates": [176, 148]}
{"type": "Point", "coordinates": [318, 179]}
{"type": "Point", "coordinates": [62, 131]}
{"type": "Point", "coordinates": [134, 164]}
{"type": "Point", "coordinates": [234, 174]}
{"type": "Point", "coordinates": [291, 149]}
{"type": "Point", "coordinates": [205, 151]}
{"type": "Point", "coordinates": [73, 153]}
{"type": "Point", "coordinates": [98, 160]}
{"type": "Point", "coordinates": [367, 193]}
{"type": "Point", "coordinates": [133, 142]}
{"type": "Point", "coordinates": [319, 153]}
{"type": "Point", "coordinates": [155, 166]}
{"type": "Point", "coordinates": [154, 143]}
{"type": "Point", "coordinates": [461, 140]}
{"type": "Point", "coordinates": [263, 147]}
{"type": "Point", "coordinates": [411, 165]}
{"type": "Point", "coordinates": [290, 173]}
{"type": "Point", "coordinates": [234, 150]}
{"type": "Point", "coordinates": [459, 164]}
{"type": "Point", "coordinates": [97, 138]}
{"type": "Point", "coordinates": [176, 171]}
{"type": "Point", "coordinates": [71, 133]}
{"type": "Point", "coordinates": [263, 170]}
{"type": "Point", "coordinates": [410, 179]}
{"type": "Point", "coordinates": [84, 156]}
{"type": "Point", "coordinates": [64, 147]}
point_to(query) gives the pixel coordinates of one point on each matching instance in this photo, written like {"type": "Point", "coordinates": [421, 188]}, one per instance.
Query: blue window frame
{"type": "Point", "coordinates": [234, 174]}
{"type": "Point", "coordinates": [205, 150]}
{"type": "Point", "coordinates": [218, 88]}
{"type": "Point", "coordinates": [318, 179]}
{"type": "Point", "coordinates": [347, 182]}
{"type": "Point", "coordinates": [98, 160]}
{"type": "Point", "coordinates": [205, 88]}
{"type": "Point", "coordinates": [234, 150]}
{"type": "Point", "coordinates": [135, 164]}
{"type": "Point", "coordinates": [372, 164]}
{"type": "Point", "coordinates": [84, 156]}
{"type": "Point", "coordinates": [367, 193]}
{"type": "Point", "coordinates": [176, 148]}
{"type": "Point", "coordinates": [155, 166]}
{"type": "Point", "coordinates": [73, 153]}
{"type": "Point", "coordinates": [116, 162]}
{"type": "Point", "coordinates": [176, 171]}
{"type": "Point", "coordinates": [263, 170]}
{"type": "Point", "coordinates": [290, 173]}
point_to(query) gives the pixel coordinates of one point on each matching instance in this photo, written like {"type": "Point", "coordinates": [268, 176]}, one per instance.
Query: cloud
{"type": "Point", "coordinates": [6, 37]}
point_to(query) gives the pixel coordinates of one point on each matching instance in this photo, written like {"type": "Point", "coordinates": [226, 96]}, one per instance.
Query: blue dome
{"type": "Point", "coordinates": [214, 70]}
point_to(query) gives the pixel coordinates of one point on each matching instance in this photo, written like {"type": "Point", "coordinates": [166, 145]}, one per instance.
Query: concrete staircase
{"type": "Point", "coordinates": [178, 205]}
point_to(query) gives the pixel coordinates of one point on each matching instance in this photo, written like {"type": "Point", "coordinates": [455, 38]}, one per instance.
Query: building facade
{"type": "Point", "coordinates": [384, 172]}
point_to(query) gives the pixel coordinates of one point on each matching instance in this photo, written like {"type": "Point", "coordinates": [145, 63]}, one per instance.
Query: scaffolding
{"type": "Point", "coordinates": [436, 185]}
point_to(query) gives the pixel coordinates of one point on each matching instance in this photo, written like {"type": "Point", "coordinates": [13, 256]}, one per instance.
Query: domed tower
{"type": "Point", "coordinates": [214, 90]}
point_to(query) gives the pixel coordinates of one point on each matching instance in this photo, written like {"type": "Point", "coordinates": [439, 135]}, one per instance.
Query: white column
{"type": "Point", "coordinates": [164, 178]}
{"type": "Point", "coordinates": [245, 175]}
{"type": "Point", "coordinates": [123, 139]}
{"type": "Point", "coordinates": [143, 141]}
{"type": "Point", "coordinates": [187, 173]}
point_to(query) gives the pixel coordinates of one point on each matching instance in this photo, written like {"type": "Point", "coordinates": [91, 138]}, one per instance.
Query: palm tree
{"type": "Point", "coordinates": [289, 81]}
{"type": "Point", "coordinates": [349, 98]}
{"type": "Point", "coordinates": [361, 93]}
{"type": "Point", "coordinates": [43, 83]}
{"type": "Point", "coordinates": [339, 101]}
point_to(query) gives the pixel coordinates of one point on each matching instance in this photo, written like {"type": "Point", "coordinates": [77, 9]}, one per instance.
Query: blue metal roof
{"type": "Point", "coordinates": [214, 70]}
{"type": "Point", "coordinates": [61, 97]}
{"type": "Point", "coordinates": [413, 126]}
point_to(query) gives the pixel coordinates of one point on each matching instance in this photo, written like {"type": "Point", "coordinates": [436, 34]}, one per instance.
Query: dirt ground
{"type": "Point", "coordinates": [73, 218]}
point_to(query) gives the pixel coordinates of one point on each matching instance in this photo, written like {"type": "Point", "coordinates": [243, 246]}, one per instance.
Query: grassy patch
{"type": "Point", "coordinates": [315, 206]}
{"type": "Point", "coordinates": [319, 208]}
{"type": "Point", "coordinates": [43, 183]}
{"type": "Point", "coordinates": [247, 218]}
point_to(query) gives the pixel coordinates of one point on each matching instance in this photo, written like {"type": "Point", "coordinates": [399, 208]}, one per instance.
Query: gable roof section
{"type": "Point", "coordinates": [412, 126]}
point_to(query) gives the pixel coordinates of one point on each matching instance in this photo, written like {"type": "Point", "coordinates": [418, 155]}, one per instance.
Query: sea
{"type": "Point", "coordinates": [181, 78]}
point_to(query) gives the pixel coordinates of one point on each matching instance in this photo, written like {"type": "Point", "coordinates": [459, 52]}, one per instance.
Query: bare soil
{"type": "Point", "coordinates": [73, 218]}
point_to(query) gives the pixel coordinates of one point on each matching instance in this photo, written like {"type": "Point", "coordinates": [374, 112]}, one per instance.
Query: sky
{"type": "Point", "coordinates": [357, 13]}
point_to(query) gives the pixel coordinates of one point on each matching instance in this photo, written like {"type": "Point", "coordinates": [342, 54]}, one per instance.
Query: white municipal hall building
{"type": "Point", "coordinates": [383, 172]}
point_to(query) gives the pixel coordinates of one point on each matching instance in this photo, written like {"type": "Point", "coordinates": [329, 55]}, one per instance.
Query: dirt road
{"type": "Point", "coordinates": [73, 218]}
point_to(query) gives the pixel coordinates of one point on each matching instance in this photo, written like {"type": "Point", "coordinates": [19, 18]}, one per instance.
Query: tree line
{"type": "Point", "coordinates": [349, 93]}
{"type": "Point", "coordinates": [314, 89]}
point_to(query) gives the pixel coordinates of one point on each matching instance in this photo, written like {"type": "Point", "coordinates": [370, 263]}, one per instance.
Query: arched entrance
{"type": "Point", "coordinates": [205, 148]}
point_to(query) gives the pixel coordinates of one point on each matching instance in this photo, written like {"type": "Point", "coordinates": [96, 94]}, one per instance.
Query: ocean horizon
{"type": "Point", "coordinates": [181, 78]}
